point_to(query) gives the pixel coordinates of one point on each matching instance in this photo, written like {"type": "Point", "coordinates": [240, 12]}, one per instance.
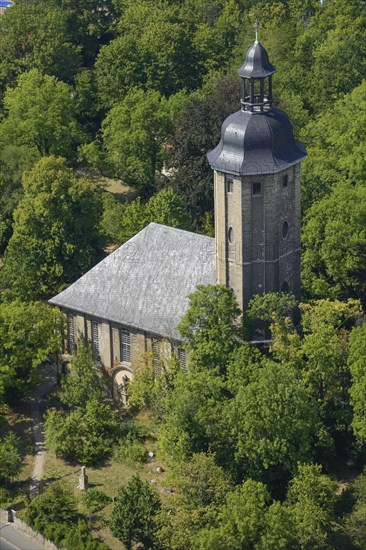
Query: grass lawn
{"type": "Point", "coordinates": [107, 478]}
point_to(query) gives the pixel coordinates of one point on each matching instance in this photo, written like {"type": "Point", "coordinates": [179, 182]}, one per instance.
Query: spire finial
{"type": "Point", "coordinates": [256, 25]}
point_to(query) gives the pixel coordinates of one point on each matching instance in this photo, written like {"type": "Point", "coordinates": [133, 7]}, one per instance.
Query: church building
{"type": "Point", "coordinates": [132, 301]}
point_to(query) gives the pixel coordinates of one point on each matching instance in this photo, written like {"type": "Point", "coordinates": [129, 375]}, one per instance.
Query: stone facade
{"type": "Point", "coordinates": [116, 348]}
{"type": "Point", "coordinates": [257, 231]}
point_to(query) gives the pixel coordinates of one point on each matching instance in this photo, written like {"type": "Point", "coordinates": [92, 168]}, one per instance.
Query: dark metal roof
{"type": "Point", "coordinates": [145, 282]}
{"type": "Point", "coordinates": [256, 64]}
{"type": "Point", "coordinates": [256, 143]}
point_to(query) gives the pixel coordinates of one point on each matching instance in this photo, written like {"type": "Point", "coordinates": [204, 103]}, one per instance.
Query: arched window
{"type": "Point", "coordinates": [230, 234]}
{"type": "Point", "coordinates": [285, 230]}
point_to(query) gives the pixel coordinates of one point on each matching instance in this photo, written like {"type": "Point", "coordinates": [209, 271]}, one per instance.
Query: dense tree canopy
{"type": "Point", "coordinates": [29, 334]}
{"type": "Point", "coordinates": [56, 236]}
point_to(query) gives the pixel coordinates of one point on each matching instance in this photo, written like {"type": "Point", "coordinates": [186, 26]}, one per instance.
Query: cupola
{"type": "Point", "coordinates": [258, 139]}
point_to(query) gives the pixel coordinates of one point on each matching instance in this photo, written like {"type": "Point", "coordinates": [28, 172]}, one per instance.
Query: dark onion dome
{"type": "Point", "coordinates": [256, 143]}
{"type": "Point", "coordinates": [256, 64]}
{"type": "Point", "coordinates": [258, 139]}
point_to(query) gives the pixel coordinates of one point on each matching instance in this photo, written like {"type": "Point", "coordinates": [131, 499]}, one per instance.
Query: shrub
{"type": "Point", "coordinates": [94, 500]}
{"type": "Point", "coordinates": [130, 450]}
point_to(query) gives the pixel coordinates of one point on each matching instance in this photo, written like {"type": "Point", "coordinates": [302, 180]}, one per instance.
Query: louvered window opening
{"type": "Point", "coordinates": [125, 346]}
{"type": "Point", "coordinates": [156, 357]}
{"type": "Point", "coordinates": [70, 333]}
{"type": "Point", "coordinates": [182, 359]}
{"type": "Point", "coordinates": [95, 338]}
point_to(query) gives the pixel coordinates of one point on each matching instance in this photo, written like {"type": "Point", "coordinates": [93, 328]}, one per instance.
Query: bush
{"type": "Point", "coordinates": [10, 459]}
{"type": "Point", "coordinates": [94, 500]}
{"type": "Point", "coordinates": [130, 450]}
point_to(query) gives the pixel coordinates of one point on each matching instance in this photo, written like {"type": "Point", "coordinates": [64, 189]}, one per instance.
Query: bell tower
{"type": "Point", "coordinates": [257, 190]}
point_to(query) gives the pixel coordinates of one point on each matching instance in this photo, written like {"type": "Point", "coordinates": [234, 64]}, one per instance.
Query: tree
{"type": "Point", "coordinates": [194, 419]}
{"type": "Point", "coordinates": [135, 132]}
{"type": "Point", "coordinates": [56, 235]}
{"type": "Point", "coordinates": [273, 420]}
{"type": "Point", "coordinates": [40, 115]}
{"type": "Point", "coordinates": [334, 141]}
{"type": "Point", "coordinates": [121, 222]}
{"type": "Point", "coordinates": [357, 366]}
{"type": "Point", "coordinates": [81, 538]}
{"type": "Point", "coordinates": [325, 349]}
{"type": "Point", "coordinates": [82, 383]}
{"type": "Point", "coordinates": [310, 501]}
{"type": "Point", "coordinates": [134, 513]}
{"type": "Point", "coordinates": [36, 35]}
{"type": "Point", "coordinates": [29, 334]}
{"type": "Point", "coordinates": [210, 327]}
{"type": "Point", "coordinates": [160, 58]}
{"type": "Point", "coordinates": [86, 435]}
{"type": "Point", "coordinates": [355, 522]}
{"type": "Point", "coordinates": [52, 511]}
{"type": "Point", "coordinates": [197, 131]}
{"type": "Point", "coordinates": [199, 489]}
{"type": "Point", "coordinates": [10, 458]}
{"type": "Point", "coordinates": [334, 241]}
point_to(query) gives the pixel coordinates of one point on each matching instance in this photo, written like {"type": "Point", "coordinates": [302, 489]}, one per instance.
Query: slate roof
{"type": "Point", "coordinates": [145, 282]}
{"type": "Point", "coordinates": [254, 143]}
{"type": "Point", "coordinates": [256, 64]}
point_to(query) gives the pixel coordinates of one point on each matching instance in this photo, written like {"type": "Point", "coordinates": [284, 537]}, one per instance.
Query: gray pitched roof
{"type": "Point", "coordinates": [145, 282]}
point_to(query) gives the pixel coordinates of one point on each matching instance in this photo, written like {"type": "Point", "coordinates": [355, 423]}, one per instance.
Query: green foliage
{"type": "Point", "coordinates": [94, 500]}
{"type": "Point", "coordinates": [133, 516]}
{"type": "Point", "coordinates": [311, 506]}
{"type": "Point", "coordinates": [29, 333]}
{"type": "Point", "coordinates": [357, 366]}
{"type": "Point", "coordinates": [10, 457]}
{"type": "Point", "coordinates": [210, 327]}
{"type": "Point", "coordinates": [194, 419]}
{"type": "Point", "coordinates": [355, 522]}
{"type": "Point", "coordinates": [334, 240]}
{"type": "Point", "coordinates": [130, 451]}
{"type": "Point", "coordinates": [82, 383]}
{"type": "Point", "coordinates": [52, 511]}
{"type": "Point", "coordinates": [121, 222]}
{"type": "Point", "coordinates": [40, 114]}
{"type": "Point", "coordinates": [199, 487]}
{"type": "Point", "coordinates": [135, 132]}
{"type": "Point", "coordinates": [197, 131]}
{"type": "Point", "coordinates": [55, 237]}
{"type": "Point", "coordinates": [36, 35]}
{"type": "Point", "coordinates": [334, 139]}
{"type": "Point", "coordinates": [241, 519]}
{"type": "Point", "coordinates": [271, 306]}
{"type": "Point", "coordinates": [86, 435]}
{"type": "Point", "coordinates": [274, 420]}
{"type": "Point", "coordinates": [81, 538]}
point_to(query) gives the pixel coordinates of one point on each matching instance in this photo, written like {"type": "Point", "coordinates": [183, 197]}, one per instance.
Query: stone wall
{"type": "Point", "coordinates": [21, 526]}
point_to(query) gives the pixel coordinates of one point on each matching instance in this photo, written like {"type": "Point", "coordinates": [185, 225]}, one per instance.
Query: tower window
{"type": "Point", "coordinates": [125, 346]}
{"type": "Point", "coordinates": [95, 340]}
{"type": "Point", "coordinates": [285, 287]}
{"type": "Point", "coordinates": [257, 189]}
{"type": "Point", "coordinates": [285, 180]}
{"type": "Point", "coordinates": [70, 333]}
{"type": "Point", "coordinates": [230, 234]}
{"type": "Point", "coordinates": [229, 184]}
{"type": "Point", "coordinates": [284, 230]}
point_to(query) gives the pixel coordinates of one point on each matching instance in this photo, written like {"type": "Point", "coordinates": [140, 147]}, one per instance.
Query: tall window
{"type": "Point", "coordinates": [182, 358]}
{"type": "Point", "coordinates": [125, 346]}
{"type": "Point", "coordinates": [71, 347]}
{"type": "Point", "coordinates": [229, 184]}
{"type": "Point", "coordinates": [256, 189]}
{"type": "Point", "coordinates": [95, 340]}
{"type": "Point", "coordinates": [155, 346]}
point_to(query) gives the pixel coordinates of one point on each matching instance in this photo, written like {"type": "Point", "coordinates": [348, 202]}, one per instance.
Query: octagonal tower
{"type": "Point", "coordinates": [257, 190]}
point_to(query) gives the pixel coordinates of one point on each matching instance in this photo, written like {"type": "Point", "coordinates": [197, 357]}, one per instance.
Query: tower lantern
{"type": "Point", "coordinates": [257, 190]}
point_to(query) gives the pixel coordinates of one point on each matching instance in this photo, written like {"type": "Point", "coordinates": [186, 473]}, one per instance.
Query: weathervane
{"type": "Point", "coordinates": [256, 25]}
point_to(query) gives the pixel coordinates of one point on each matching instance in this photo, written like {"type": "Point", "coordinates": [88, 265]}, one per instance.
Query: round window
{"type": "Point", "coordinates": [230, 234]}
{"type": "Point", "coordinates": [284, 230]}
